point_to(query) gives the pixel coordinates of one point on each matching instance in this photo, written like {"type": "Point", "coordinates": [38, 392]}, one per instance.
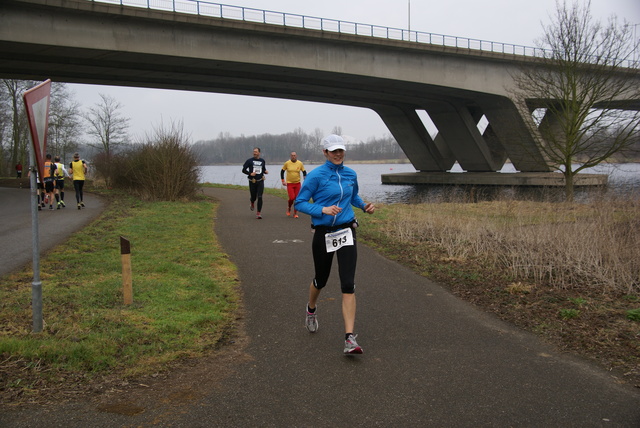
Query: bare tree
{"type": "Point", "coordinates": [15, 127]}
{"type": "Point", "coordinates": [107, 125]}
{"type": "Point", "coordinates": [64, 121]}
{"type": "Point", "coordinates": [314, 141]}
{"type": "Point", "coordinates": [5, 130]}
{"type": "Point", "coordinates": [587, 84]}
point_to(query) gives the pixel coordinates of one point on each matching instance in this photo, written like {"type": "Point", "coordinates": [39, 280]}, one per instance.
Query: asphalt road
{"type": "Point", "coordinates": [54, 227]}
{"type": "Point", "coordinates": [430, 359]}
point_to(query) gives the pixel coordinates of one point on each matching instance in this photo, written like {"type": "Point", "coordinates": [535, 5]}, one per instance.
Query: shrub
{"type": "Point", "coordinates": [162, 168]}
{"type": "Point", "coordinates": [103, 167]}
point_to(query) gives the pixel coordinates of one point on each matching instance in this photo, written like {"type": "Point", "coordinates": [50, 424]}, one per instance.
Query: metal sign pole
{"type": "Point", "coordinates": [37, 101]}
{"type": "Point", "coordinates": [36, 285]}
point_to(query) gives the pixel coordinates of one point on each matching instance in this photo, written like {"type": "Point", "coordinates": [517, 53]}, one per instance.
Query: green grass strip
{"type": "Point", "coordinates": [184, 289]}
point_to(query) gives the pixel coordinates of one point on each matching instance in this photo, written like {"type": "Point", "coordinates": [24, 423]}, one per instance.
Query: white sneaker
{"type": "Point", "coordinates": [351, 346]}
{"type": "Point", "coordinates": [312, 320]}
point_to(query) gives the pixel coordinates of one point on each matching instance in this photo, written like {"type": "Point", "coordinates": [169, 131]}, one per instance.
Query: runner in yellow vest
{"type": "Point", "coordinates": [293, 167]}
{"type": "Point", "coordinates": [78, 170]}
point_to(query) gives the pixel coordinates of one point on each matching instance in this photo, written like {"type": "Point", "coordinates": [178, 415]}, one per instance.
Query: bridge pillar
{"type": "Point", "coordinates": [509, 126]}
{"type": "Point", "coordinates": [496, 148]}
{"type": "Point", "coordinates": [551, 123]}
{"type": "Point", "coordinates": [407, 128]}
{"type": "Point", "coordinates": [460, 131]}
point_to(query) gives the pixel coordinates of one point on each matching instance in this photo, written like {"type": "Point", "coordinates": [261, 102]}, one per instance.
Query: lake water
{"type": "Point", "coordinates": [623, 178]}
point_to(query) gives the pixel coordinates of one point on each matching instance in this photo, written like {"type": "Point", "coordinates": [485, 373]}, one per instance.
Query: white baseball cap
{"type": "Point", "coordinates": [333, 142]}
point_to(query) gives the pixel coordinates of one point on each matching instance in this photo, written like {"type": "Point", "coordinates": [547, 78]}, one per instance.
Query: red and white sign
{"type": "Point", "coordinates": [37, 100]}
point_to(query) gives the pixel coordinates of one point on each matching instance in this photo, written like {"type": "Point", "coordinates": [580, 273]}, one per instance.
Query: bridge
{"type": "Point", "coordinates": [192, 45]}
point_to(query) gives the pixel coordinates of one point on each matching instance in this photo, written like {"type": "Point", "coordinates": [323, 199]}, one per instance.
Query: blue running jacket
{"type": "Point", "coordinates": [328, 185]}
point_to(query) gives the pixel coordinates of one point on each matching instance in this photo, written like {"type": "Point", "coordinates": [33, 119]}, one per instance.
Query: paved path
{"type": "Point", "coordinates": [430, 359]}
{"type": "Point", "coordinates": [54, 227]}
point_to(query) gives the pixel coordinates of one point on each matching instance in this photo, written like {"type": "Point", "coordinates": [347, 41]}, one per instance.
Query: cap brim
{"type": "Point", "coordinates": [336, 147]}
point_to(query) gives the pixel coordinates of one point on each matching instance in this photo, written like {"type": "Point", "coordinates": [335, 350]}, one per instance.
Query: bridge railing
{"type": "Point", "coordinates": [218, 10]}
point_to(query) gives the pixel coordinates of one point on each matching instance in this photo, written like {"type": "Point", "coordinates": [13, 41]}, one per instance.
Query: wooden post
{"type": "Point", "coordinates": [127, 287]}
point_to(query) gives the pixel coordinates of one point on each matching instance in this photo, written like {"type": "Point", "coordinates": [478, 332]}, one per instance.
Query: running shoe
{"type": "Point", "coordinates": [59, 206]}
{"type": "Point", "coordinates": [51, 207]}
{"type": "Point", "coordinates": [251, 206]}
{"type": "Point", "coordinates": [312, 320]}
{"type": "Point", "coordinates": [82, 204]}
{"type": "Point", "coordinates": [258, 215]}
{"type": "Point", "coordinates": [63, 205]}
{"type": "Point", "coordinates": [288, 213]}
{"type": "Point", "coordinates": [295, 216]}
{"type": "Point", "coordinates": [351, 346]}
{"type": "Point", "coordinates": [79, 207]}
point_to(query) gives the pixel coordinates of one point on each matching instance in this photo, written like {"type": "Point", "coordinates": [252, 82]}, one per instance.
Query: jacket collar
{"type": "Point", "coordinates": [333, 166]}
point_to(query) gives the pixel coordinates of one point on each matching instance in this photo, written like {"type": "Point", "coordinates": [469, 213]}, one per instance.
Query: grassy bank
{"type": "Point", "coordinates": [184, 300]}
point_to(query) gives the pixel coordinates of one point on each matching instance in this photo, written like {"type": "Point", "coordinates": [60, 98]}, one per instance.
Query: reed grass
{"type": "Point", "coordinates": [594, 245]}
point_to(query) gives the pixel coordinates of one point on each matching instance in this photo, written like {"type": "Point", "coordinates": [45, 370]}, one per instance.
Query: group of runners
{"type": "Point", "coordinates": [51, 187]}
{"type": "Point", "coordinates": [255, 168]}
{"type": "Point", "coordinates": [328, 195]}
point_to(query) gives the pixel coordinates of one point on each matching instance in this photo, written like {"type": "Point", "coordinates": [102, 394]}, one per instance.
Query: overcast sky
{"type": "Point", "coordinates": [206, 115]}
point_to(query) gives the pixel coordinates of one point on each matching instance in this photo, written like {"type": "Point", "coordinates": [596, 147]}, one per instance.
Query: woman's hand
{"type": "Point", "coordinates": [369, 208]}
{"type": "Point", "coordinates": [332, 210]}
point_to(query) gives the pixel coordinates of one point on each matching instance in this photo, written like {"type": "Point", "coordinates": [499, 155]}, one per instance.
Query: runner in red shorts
{"type": "Point", "coordinates": [293, 167]}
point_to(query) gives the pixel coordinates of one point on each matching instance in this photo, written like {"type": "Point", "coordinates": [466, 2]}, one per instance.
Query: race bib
{"type": "Point", "coordinates": [257, 168]}
{"type": "Point", "coordinates": [336, 240]}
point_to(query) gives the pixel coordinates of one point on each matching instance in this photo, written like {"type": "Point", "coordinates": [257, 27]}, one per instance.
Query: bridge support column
{"type": "Point", "coordinates": [551, 124]}
{"type": "Point", "coordinates": [459, 130]}
{"type": "Point", "coordinates": [509, 125]}
{"type": "Point", "coordinates": [497, 150]}
{"type": "Point", "coordinates": [406, 127]}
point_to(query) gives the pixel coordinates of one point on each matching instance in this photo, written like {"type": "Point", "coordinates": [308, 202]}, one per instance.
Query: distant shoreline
{"type": "Point", "coordinates": [371, 162]}
{"type": "Point", "coordinates": [395, 161]}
